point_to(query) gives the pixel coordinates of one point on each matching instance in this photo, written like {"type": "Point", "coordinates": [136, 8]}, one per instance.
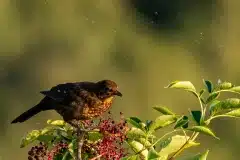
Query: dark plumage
{"type": "Point", "coordinates": [75, 101]}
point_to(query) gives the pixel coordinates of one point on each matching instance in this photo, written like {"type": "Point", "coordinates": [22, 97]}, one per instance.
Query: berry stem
{"type": "Point", "coordinates": [98, 157]}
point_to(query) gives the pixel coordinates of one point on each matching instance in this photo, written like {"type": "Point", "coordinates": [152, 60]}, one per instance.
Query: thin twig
{"type": "Point", "coordinates": [183, 146]}
{"type": "Point", "coordinates": [80, 138]}
{"type": "Point", "coordinates": [98, 157]}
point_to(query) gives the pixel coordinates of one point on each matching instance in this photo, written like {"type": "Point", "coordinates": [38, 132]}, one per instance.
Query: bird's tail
{"type": "Point", "coordinates": [28, 114]}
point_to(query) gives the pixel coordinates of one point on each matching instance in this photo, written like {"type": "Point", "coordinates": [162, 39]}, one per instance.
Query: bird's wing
{"type": "Point", "coordinates": [68, 92]}
{"type": "Point", "coordinates": [60, 92]}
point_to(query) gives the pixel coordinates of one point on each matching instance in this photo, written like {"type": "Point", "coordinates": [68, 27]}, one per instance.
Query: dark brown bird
{"type": "Point", "coordinates": [75, 101]}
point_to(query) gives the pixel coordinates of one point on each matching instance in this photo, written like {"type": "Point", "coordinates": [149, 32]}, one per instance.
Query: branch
{"type": "Point", "coordinates": [80, 139]}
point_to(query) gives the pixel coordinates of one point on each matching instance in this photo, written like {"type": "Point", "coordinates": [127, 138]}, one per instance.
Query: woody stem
{"type": "Point", "coordinates": [80, 139]}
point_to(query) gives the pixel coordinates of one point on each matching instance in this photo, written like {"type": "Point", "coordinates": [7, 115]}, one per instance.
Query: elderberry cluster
{"type": "Point", "coordinates": [58, 148]}
{"type": "Point", "coordinates": [42, 152]}
{"type": "Point", "coordinates": [38, 152]}
{"type": "Point", "coordinates": [110, 147]}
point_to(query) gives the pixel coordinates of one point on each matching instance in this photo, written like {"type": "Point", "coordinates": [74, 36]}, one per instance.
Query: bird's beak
{"type": "Point", "coordinates": [117, 93]}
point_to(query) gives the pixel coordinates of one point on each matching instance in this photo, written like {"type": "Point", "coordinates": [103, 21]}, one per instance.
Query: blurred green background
{"type": "Point", "coordinates": [142, 45]}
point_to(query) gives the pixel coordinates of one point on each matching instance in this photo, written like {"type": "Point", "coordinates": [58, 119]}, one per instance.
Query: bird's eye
{"type": "Point", "coordinates": [107, 89]}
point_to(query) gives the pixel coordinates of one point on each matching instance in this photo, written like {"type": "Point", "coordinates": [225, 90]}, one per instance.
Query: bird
{"type": "Point", "coordinates": [75, 101]}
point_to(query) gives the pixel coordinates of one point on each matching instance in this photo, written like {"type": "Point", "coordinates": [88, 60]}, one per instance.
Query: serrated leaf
{"type": "Point", "coordinates": [225, 85]}
{"type": "Point", "coordinates": [137, 146]}
{"type": "Point", "coordinates": [234, 113]}
{"type": "Point", "coordinates": [145, 142]}
{"type": "Point", "coordinates": [29, 138]}
{"type": "Point", "coordinates": [186, 85]}
{"type": "Point", "coordinates": [225, 105]}
{"type": "Point", "coordinates": [59, 123]}
{"type": "Point", "coordinates": [162, 121]}
{"type": "Point", "coordinates": [212, 96]}
{"type": "Point", "coordinates": [196, 115]}
{"type": "Point", "coordinates": [135, 133]}
{"type": "Point", "coordinates": [182, 122]}
{"type": "Point", "coordinates": [173, 144]}
{"type": "Point", "coordinates": [153, 155]}
{"type": "Point", "coordinates": [204, 130]}
{"type": "Point", "coordinates": [235, 89]}
{"type": "Point", "coordinates": [164, 110]}
{"type": "Point", "coordinates": [208, 85]}
{"type": "Point", "coordinates": [134, 121]}
{"type": "Point", "coordinates": [202, 156]}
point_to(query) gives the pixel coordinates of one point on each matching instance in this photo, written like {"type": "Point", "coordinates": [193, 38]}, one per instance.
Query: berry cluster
{"type": "Point", "coordinates": [58, 148]}
{"type": "Point", "coordinates": [41, 151]}
{"type": "Point", "coordinates": [110, 147]}
{"type": "Point", "coordinates": [38, 152]}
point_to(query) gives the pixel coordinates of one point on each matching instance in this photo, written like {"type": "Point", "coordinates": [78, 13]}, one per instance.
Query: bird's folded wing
{"type": "Point", "coordinates": [68, 92]}
{"type": "Point", "coordinates": [60, 92]}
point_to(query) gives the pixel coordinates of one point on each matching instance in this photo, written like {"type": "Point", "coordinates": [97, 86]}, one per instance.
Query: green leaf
{"type": "Point", "coordinates": [59, 123]}
{"type": "Point", "coordinates": [71, 147]}
{"type": "Point", "coordinates": [94, 136]}
{"type": "Point", "coordinates": [134, 121]}
{"type": "Point", "coordinates": [134, 133]}
{"type": "Point", "coordinates": [201, 92]}
{"type": "Point", "coordinates": [148, 123]}
{"type": "Point", "coordinates": [152, 154]}
{"type": "Point", "coordinates": [45, 138]}
{"type": "Point", "coordinates": [208, 85]}
{"type": "Point", "coordinates": [173, 144]}
{"type": "Point", "coordinates": [66, 156]}
{"type": "Point", "coordinates": [47, 130]}
{"type": "Point", "coordinates": [134, 157]}
{"type": "Point", "coordinates": [204, 130]}
{"type": "Point", "coordinates": [225, 85]}
{"type": "Point", "coordinates": [145, 142]}
{"type": "Point", "coordinates": [212, 96]}
{"type": "Point", "coordinates": [182, 122]}
{"type": "Point", "coordinates": [202, 156]}
{"type": "Point", "coordinates": [137, 147]}
{"type": "Point", "coordinates": [186, 85]}
{"type": "Point", "coordinates": [235, 89]}
{"type": "Point", "coordinates": [162, 121]}
{"type": "Point", "coordinates": [164, 110]}
{"type": "Point", "coordinates": [29, 138]}
{"type": "Point", "coordinates": [225, 105]}
{"type": "Point", "coordinates": [234, 113]}
{"type": "Point", "coordinates": [213, 105]}
{"type": "Point", "coordinates": [196, 115]}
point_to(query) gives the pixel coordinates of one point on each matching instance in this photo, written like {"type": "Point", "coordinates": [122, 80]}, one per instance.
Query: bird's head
{"type": "Point", "coordinates": [107, 89]}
